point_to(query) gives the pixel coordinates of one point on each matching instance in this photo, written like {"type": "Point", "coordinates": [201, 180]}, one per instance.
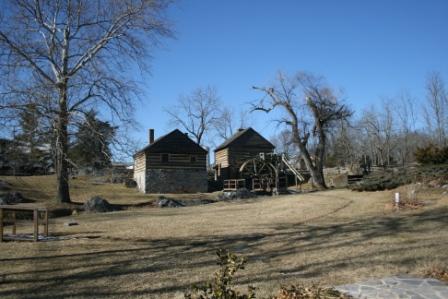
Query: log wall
{"type": "Point", "coordinates": [176, 161]}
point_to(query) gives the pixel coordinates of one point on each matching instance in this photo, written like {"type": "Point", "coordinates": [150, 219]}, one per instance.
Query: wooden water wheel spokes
{"type": "Point", "coordinates": [261, 171]}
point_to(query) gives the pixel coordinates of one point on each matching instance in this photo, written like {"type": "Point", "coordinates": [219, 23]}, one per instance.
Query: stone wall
{"type": "Point", "coordinates": [176, 180]}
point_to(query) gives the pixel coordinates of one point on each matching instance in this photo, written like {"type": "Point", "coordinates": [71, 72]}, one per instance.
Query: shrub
{"type": "Point", "coordinates": [221, 286]}
{"type": "Point", "coordinates": [432, 154]}
{"type": "Point", "coordinates": [437, 272]}
{"type": "Point", "coordinates": [383, 181]}
{"type": "Point", "coordinates": [313, 292]}
{"type": "Point", "coordinates": [390, 179]}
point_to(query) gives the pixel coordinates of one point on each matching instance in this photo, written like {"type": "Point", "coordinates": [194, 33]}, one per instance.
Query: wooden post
{"type": "Point", "coordinates": [1, 225]}
{"type": "Point", "coordinates": [36, 224]}
{"type": "Point", "coordinates": [46, 223]}
{"type": "Point", "coordinates": [13, 222]}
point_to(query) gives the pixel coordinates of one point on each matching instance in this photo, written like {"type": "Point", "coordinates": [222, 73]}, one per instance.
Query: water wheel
{"type": "Point", "coordinates": [261, 172]}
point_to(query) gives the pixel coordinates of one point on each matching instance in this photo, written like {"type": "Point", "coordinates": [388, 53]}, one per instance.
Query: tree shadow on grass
{"type": "Point", "coordinates": [97, 273]}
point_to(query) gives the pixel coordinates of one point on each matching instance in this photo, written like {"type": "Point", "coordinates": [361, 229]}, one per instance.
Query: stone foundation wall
{"type": "Point", "coordinates": [176, 180]}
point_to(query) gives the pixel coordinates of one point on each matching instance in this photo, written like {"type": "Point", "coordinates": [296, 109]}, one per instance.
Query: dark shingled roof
{"type": "Point", "coordinates": [174, 142]}
{"type": "Point", "coordinates": [240, 137]}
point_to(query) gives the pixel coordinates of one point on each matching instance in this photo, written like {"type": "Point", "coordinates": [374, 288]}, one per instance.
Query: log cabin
{"type": "Point", "coordinates": [172, 163]}
{"type": "Point", "coordinates": [243, 145]}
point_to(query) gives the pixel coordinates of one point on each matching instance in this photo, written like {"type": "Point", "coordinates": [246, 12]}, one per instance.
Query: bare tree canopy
{"type": "Point", "coordinates": [283, 144]}
{"type": "Point", "coordinates": [379, 128]}
{"type": "Point", "coordinates": [229, 121]}
{"type": "Point", "coordinates": [68, 56]}
{"type": "Point", "coordinates": [310, 109]}
{"type": "Point", "coordinates": [436, 108]}
{"type": "Point", "coordinates": [196, 112]}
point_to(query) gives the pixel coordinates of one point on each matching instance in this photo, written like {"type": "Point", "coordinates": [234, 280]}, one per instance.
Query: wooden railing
{"type": "Point", "coordinates": [232, 185]}
{"type": "Point", "coordinates": [24, 208]}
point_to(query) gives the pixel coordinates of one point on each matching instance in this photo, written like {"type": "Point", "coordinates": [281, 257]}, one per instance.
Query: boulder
{"type": "Point", "coordinates": [11, 198]}
{"type": "Point", "coordinates": [98, 205]}
{"type": "Point", "coordinates": [130, 183]}
{"type": "Point", "coordinates": [164, 202]}
{"type": "Point", "coordinates": [434, 184]}
{"type": "Point", "coordinates": [241, 193]}
{"type": "Point", "coordinates": [339, 181]}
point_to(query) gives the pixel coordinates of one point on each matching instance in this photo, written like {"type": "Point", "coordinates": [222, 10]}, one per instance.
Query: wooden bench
{"type": "Point", "coordinates": [24, 208]}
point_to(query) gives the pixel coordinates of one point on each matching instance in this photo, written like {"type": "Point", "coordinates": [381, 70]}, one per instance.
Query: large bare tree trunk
{"type": "Point", "coordinates": [315, 168]}
{"type": "Point", "coordinates": [63, 194]}
{"type": "Point", "coordinates": [318, 179]}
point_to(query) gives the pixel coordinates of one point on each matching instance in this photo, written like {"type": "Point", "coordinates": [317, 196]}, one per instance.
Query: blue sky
{"type": "Point", "coordinates": [370, 49]}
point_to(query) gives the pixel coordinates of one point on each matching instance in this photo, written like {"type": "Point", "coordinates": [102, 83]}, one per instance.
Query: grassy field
{"type": "Point", "coordinates": [42, 190]}
{"type": "Point", "coordinates": [331, 237]}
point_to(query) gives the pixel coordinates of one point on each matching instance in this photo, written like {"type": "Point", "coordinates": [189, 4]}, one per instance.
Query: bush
{"type": "Point", "coordinates": [221, 286]}
{"type": "Point", "coordinates": [313, 292]}
{"type": "Point", "coordinates": [432, 154]}
{"type": "Point", "coordinates": [437, 272]}
{"type": "Point", "coordinates": [383, 181]}
{"type": "Point", "coordinates": [391, 179]}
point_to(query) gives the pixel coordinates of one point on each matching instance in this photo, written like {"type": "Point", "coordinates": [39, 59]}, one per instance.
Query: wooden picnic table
{"type": "Point", "coordinates": [36, 210]}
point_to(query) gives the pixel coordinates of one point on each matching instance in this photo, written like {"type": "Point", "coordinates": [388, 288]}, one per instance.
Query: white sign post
{"type": "Point", "coordinates": [397, 199]}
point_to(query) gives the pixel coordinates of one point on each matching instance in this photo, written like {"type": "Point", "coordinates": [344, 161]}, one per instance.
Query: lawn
{"type": "Point", "coordinates": [332, 237]}
{"type": "Point", "coordinates": [42, 190]}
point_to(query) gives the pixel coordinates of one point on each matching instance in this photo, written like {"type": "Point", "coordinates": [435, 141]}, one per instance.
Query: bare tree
{"type": "Point", "coordinates": [436, 111]}
{"type": "Point", "coordinates": [283, 144]}
{"type": "Point", "coordinates": [68, 56]}
{"type": "Point", "coordinates": [378, 127]}
{"type": "Point", "coordinates": [197, 112]}
{"type": "Point", "coordinates": [407, 119]}
{"type": "Point", "coordinates": [310, 115]}
{"type": "Point", "coordinates": [342, 146]}
{"type": "Point", "coordinates": [388, 131]}
{"type": "Point", "coordinates": [229, 121]}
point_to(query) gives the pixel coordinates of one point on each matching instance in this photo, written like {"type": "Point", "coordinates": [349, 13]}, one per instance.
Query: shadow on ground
{"type": "Point", "coordinates": [157, 268]}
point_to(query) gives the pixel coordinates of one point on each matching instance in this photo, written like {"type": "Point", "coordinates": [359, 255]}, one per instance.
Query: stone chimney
{"type": "Point", "coordinates": [151, 136]}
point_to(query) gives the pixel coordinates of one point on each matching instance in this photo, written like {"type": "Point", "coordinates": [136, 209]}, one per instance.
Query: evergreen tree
{"type": "Point", "coordinates": [32, 142]}
{"type": "Point", "coordinates": [92, 142]}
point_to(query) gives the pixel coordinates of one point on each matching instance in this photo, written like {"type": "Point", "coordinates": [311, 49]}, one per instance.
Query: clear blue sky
{"type": "Point", "coordinates": [370, 49]}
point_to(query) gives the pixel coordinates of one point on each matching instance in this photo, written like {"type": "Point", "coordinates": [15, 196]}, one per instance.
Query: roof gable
{"type": "Point", "coordinates": [174, 142]}
{"type": "Point", "coordinates": [246, 138]}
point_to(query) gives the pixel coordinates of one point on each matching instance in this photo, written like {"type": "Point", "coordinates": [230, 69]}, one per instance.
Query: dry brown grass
{"type": "Point", "coordinates": [331, 237]}
{"type": "Point", "coordinates": [42, 189]}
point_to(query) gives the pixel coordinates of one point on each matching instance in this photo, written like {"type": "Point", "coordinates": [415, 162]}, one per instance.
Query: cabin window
{"type": "Point", "coordinates": [193, 159]}
{"type": "Point", "coordinates": [164, 158]}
